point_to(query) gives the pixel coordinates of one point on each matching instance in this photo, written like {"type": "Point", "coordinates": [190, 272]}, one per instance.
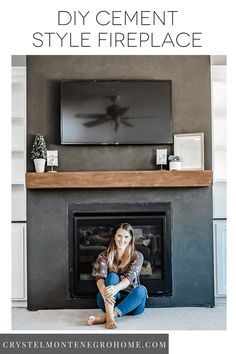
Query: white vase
{"type": "Point", "coordinates": [175, 165]}
{"type": "Point", "coordinates": [39, 165]}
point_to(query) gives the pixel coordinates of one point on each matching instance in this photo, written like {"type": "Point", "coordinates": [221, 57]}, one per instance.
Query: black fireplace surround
{"type": "Point", "coordinates": [53, 271]}
{"type": "Point", "coordinates": [91, 228]}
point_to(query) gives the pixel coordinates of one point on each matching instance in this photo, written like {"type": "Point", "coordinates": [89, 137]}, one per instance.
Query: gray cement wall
{"type": "Point", "coordinates": [191, 107]}
{"type": "Point", "coordinates": [192, 250]}
{"type": "Point", "coordinates": [47, 210]}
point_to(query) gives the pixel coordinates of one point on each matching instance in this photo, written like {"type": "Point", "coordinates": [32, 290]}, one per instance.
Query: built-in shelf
{"type": "Point", "coordinates": [119, 179]}
{"type": "Point", "coordinates": [219, 115]}
{"type": "Point", "coordinates": [18, 120]}
{"type": "Point", "coordinates": [17, 150]}
{"type": "Point", "coordinates": [220, 180]}
{"type": "Point", "coordinates": [220, 147]}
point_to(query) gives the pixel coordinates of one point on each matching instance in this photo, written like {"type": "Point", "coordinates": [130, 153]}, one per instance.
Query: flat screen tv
{"type": "Point", "coordinates": [116, 112]}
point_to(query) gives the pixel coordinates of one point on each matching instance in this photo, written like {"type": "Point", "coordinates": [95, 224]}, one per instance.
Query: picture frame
{"type": "Point", "coordinates": [190, 148]}
{"type": "Point", "coordinates": [161, 156]}
{"type": "Point", "coordinates": [52, 158]}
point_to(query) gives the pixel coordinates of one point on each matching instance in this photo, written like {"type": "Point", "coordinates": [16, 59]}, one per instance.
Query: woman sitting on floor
{"type": "Point", "coordinates": [118, 269]}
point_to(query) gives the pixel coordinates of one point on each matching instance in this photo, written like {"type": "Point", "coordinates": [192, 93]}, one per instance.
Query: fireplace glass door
{"type": "Point", "coordinates": [92, 234]}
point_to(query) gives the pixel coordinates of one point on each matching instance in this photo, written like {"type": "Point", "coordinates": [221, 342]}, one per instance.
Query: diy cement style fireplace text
{"type": "Point", "coordinates": [90, 230]}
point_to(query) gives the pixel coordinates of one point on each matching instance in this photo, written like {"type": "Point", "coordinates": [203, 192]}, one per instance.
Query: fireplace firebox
{"type": "Point", "coordinates": [90, 230]}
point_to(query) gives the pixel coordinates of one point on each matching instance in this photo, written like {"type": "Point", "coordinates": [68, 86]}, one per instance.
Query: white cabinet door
{"type": "Point", "coordinates": [18, 261]}
{"type": "Point", "coordinates": [220, 241]}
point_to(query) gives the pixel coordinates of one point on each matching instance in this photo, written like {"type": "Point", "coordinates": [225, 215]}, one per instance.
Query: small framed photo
{"type": "Point", "coordinates": [161, 157]}
{"type": "Point", "coordinates": [190, 149]}
{"type": "Point", "coordinates": [52, 158]}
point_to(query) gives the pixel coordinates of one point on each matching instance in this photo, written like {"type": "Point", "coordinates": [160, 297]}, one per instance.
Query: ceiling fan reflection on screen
{"type": "Point", "coordinates": [115, 115]}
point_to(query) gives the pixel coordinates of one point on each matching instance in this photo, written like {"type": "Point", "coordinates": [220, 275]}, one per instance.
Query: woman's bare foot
{"type": "Point", "coordinates": [92, 320]}
{"type": "Point", "coordinates": [111, 323]}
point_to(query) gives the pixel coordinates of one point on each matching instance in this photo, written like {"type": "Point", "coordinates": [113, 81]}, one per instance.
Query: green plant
{"type": "Point", "coordinates": [39, 149]}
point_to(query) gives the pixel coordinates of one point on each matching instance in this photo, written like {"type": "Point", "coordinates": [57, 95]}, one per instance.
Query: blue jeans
{"type": "Point", "coordinates": [132, 304]}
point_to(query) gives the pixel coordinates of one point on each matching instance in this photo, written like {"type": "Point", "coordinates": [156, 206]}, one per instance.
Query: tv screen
{"type": "Point", "coordinates": [116, 112]}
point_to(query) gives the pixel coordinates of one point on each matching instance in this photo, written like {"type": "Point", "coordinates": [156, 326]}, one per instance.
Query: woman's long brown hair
{"type": "Point", "coordinates": [114, 263]}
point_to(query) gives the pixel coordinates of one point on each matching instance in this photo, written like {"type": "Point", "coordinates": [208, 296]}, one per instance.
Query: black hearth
{"type": "Point", "coordinates": [90, 229]}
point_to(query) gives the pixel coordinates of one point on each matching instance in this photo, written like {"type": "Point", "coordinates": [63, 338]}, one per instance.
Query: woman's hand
{"type": "Point", "coordinates": [108, 297]}
{"type": "Point", "coordinates": [110, 291]}
{"type": "Point", "coordinates": [110, 300]}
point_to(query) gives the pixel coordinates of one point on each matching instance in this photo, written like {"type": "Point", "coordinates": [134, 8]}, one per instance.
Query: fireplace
{"type": "Point", "coordinates": [90, 229]}
{"type": "Point", "coordinates": [53, 227]}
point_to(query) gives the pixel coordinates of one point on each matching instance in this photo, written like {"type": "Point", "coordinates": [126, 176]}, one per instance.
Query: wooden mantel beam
{"type": "Point", "coordinates": [119, 179]}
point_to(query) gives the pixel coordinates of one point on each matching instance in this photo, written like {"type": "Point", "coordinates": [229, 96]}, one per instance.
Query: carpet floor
{"type": "Point", "coordinates": [155, 319]}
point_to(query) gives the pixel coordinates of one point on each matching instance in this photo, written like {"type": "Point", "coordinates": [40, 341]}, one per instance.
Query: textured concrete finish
{"type": "Point", "coordinates": [191, 318]}
{"type": "Point", "coordinates": [47, 210]}
{"type": "Point", "coordinates": [191, 104]}
{"type": "Point", "coordinates": [191, 228]}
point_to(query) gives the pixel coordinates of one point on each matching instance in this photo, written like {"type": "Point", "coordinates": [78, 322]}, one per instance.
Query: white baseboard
{"type": "Point", "coordinates": [16, 303]}
{"type": "Point", "coordinates": [220, 300]}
